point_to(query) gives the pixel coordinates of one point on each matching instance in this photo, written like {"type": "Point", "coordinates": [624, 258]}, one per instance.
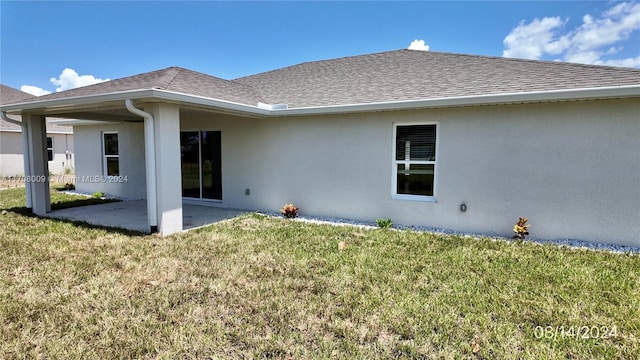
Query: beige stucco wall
{"type": "Point", "coordinates": [89, 160]}
{"type": "Point", "coordinates": [11, 161]}
{"type": "Point", "coordinates": [63, 156]}
{"type": "Point", "coordinates": [572, 168]}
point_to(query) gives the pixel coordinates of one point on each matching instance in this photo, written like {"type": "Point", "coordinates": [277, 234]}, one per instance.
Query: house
{"type": "Point", "coordinates": [59, 141]}
{"type": "Point", "coordinates": [452, 141]}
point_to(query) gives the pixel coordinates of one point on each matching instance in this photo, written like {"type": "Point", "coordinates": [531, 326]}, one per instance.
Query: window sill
{"type": "Point", "coordinates": [431, 199]}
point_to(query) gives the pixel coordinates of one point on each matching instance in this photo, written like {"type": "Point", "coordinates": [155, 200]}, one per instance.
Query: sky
{"type": "Point", "coordinates": [57, 45]}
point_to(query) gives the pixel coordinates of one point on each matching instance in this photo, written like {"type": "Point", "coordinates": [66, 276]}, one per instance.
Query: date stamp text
{"type": "Point", "coordinates": [576, 332]}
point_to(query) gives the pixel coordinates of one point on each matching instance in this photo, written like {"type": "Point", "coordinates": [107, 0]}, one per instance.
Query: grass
{"type": "Point", "coordinates": [15, 200]}
{"type": "Point", "coordinates": [261, 287]}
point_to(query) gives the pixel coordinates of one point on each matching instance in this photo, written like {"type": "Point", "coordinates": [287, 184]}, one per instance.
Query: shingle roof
{"type": "Point", "coordinates": [410, 75]}
{"type": "Point", "coordinates": [171, 79]}
{"type": "Point", "coordinates": [10, 95]}
{"type": "Point", "coordinates": [381, 77]}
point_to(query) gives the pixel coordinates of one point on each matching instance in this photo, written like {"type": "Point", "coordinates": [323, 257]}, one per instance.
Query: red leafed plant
{"type": "Point", "coordinates": [289, 211]}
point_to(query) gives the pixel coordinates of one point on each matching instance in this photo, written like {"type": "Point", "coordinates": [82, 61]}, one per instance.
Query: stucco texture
{"type": "Point", "coordinates": [11, 160]}
{"type": "Point", "coordinates": [572, 168]}
{"type": "Point", "coordinates": [89, 160]}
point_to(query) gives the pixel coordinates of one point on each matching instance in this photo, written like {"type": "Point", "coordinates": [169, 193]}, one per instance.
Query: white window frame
{"type": "Point", "coordinates": [395, 163]}
{"type": "Point", "coordinates": [50, 148]}
{"type": "Point", "coordinates": [105, 156]}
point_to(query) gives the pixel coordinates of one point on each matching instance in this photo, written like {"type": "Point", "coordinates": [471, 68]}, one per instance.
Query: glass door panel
{"type": "Point", "coordinates": [201, 164]}
{"type": "Point", "coordinates": [211, 165]}
{"type": "Point", "coordinates": [190, 154]}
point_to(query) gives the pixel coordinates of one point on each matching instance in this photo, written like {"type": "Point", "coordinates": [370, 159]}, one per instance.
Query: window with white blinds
{"type": "Point", "coordinates": [414, 164]}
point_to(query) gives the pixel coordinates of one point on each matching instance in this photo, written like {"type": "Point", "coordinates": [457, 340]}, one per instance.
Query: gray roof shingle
{"type": "Point", "coordinates": [380, 77]}
{"type": "Point", "coordinates": [10, 95]}
{"type": "Point", "coordinates": [171, 79]}
{"type": "Point", "coordinates": [410, 75]}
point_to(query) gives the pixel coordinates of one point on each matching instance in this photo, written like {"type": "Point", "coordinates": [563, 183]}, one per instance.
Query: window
{"type": "Point", "coordinates": [49, 148]}
{"type": "Point", "coordinates": [414, 164]}
{"type": "Point", "coordinates": [111, 165]}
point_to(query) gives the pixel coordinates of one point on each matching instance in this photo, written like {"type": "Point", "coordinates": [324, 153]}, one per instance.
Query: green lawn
{"type": "Point", "coordinates": [261, 287]}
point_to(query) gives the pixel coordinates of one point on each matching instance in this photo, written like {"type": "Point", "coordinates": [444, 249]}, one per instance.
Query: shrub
{"type": "Point", "coordinates": [289, 211]}
{"type": "Point", "coordinates": [69, 186]}
{"type": "Point", "coordinates": [521, 229]}
{"type": "Point", "coordinates": [384, 223]}
{"type": "Point", "coordinates": [97, 195]}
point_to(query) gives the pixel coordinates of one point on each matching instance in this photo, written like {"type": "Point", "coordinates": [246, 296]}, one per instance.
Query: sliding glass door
{"type": "Point", "coordinates": [201, 164]}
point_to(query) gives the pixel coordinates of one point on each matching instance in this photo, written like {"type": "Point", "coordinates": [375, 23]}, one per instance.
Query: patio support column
{"type": "Point", "coordinates": [38, 181]}
{"type": "Point", "coordinates": [168, 169]}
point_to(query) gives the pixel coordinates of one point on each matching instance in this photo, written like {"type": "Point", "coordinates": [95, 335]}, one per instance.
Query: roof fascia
{"type": "Point", "coordinates": [145, 94]}
{"type": "Point", "coordinates": [210, 102]}
{"type": "Point", "coordinates": [475, 100]}
{"type": "Point", "coordinates": [77, 100]}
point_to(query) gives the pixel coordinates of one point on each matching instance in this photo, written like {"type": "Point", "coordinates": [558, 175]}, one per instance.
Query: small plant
{"type": "Point", "coordinates": [521, 229]}
{"type": "Point", "coordinates": [289, 211]}
{"type": "Point", "coordinates": [97, 195]}
{"type": "Point", "coordinates": [384, 223]}
{"type": "Point", "coordinates": [69, 186]}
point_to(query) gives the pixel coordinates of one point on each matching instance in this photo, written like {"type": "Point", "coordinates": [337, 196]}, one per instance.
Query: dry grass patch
{"type": "Point", "coordinates": [259, 287]}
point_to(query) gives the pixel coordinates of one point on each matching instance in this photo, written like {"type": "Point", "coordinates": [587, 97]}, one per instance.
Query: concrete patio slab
{"type": "Point", "coordinates": [132, 215]}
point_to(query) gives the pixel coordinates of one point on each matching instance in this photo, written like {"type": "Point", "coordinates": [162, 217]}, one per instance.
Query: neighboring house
{"type": "Point", "coordinates": [59, 141]}
{"type": "Point", "coordinates": [452, 141]}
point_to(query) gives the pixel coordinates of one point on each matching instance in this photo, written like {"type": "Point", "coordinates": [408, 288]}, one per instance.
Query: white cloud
{"type": "Point", "coordinates": [69, 79]}
{"type": "Point", "coordinates": [589, 43]}
{"type": "Point", "coordinates": [418, 45]}
{"type": "Point", "coordinates": [628, 62]}
{"type": "Point", "coordinates": [530, 41]}
{"type": "Point", "coordinates": [34, 90]}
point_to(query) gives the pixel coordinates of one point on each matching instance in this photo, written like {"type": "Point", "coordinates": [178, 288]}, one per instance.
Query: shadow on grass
{"type": "Point", "coordinates": [23, 211]}
{"type": "Point", "coordinates": [65, 204]}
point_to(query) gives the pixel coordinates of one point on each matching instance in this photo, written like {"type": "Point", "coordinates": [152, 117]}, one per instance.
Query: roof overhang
{"type": "Point", "coordinates": [110, 106]}
{"type": "Point", "coordinates": [476, 100]}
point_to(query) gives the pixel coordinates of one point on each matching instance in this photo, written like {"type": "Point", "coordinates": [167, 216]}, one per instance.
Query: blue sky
{"type": "Point", "coordinates": [98, 40]}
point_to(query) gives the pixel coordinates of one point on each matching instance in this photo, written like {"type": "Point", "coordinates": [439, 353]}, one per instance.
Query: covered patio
{"type": "Point", "coordinates": [157, 169]}
{"type": "Point", "coordinates": [132, 215]}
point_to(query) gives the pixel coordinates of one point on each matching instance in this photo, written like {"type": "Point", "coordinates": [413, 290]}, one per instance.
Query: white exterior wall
{"type": "Point", "coordinates": [572, 168]}
{"type": "Point", "coordinates": [167, 166]}
{"type": "Point", "coordinates": [89, 160]}
{"type": "Point", "coordinates": [63, 157]}
{"type": "Point", "coordinates": [11, 162]}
